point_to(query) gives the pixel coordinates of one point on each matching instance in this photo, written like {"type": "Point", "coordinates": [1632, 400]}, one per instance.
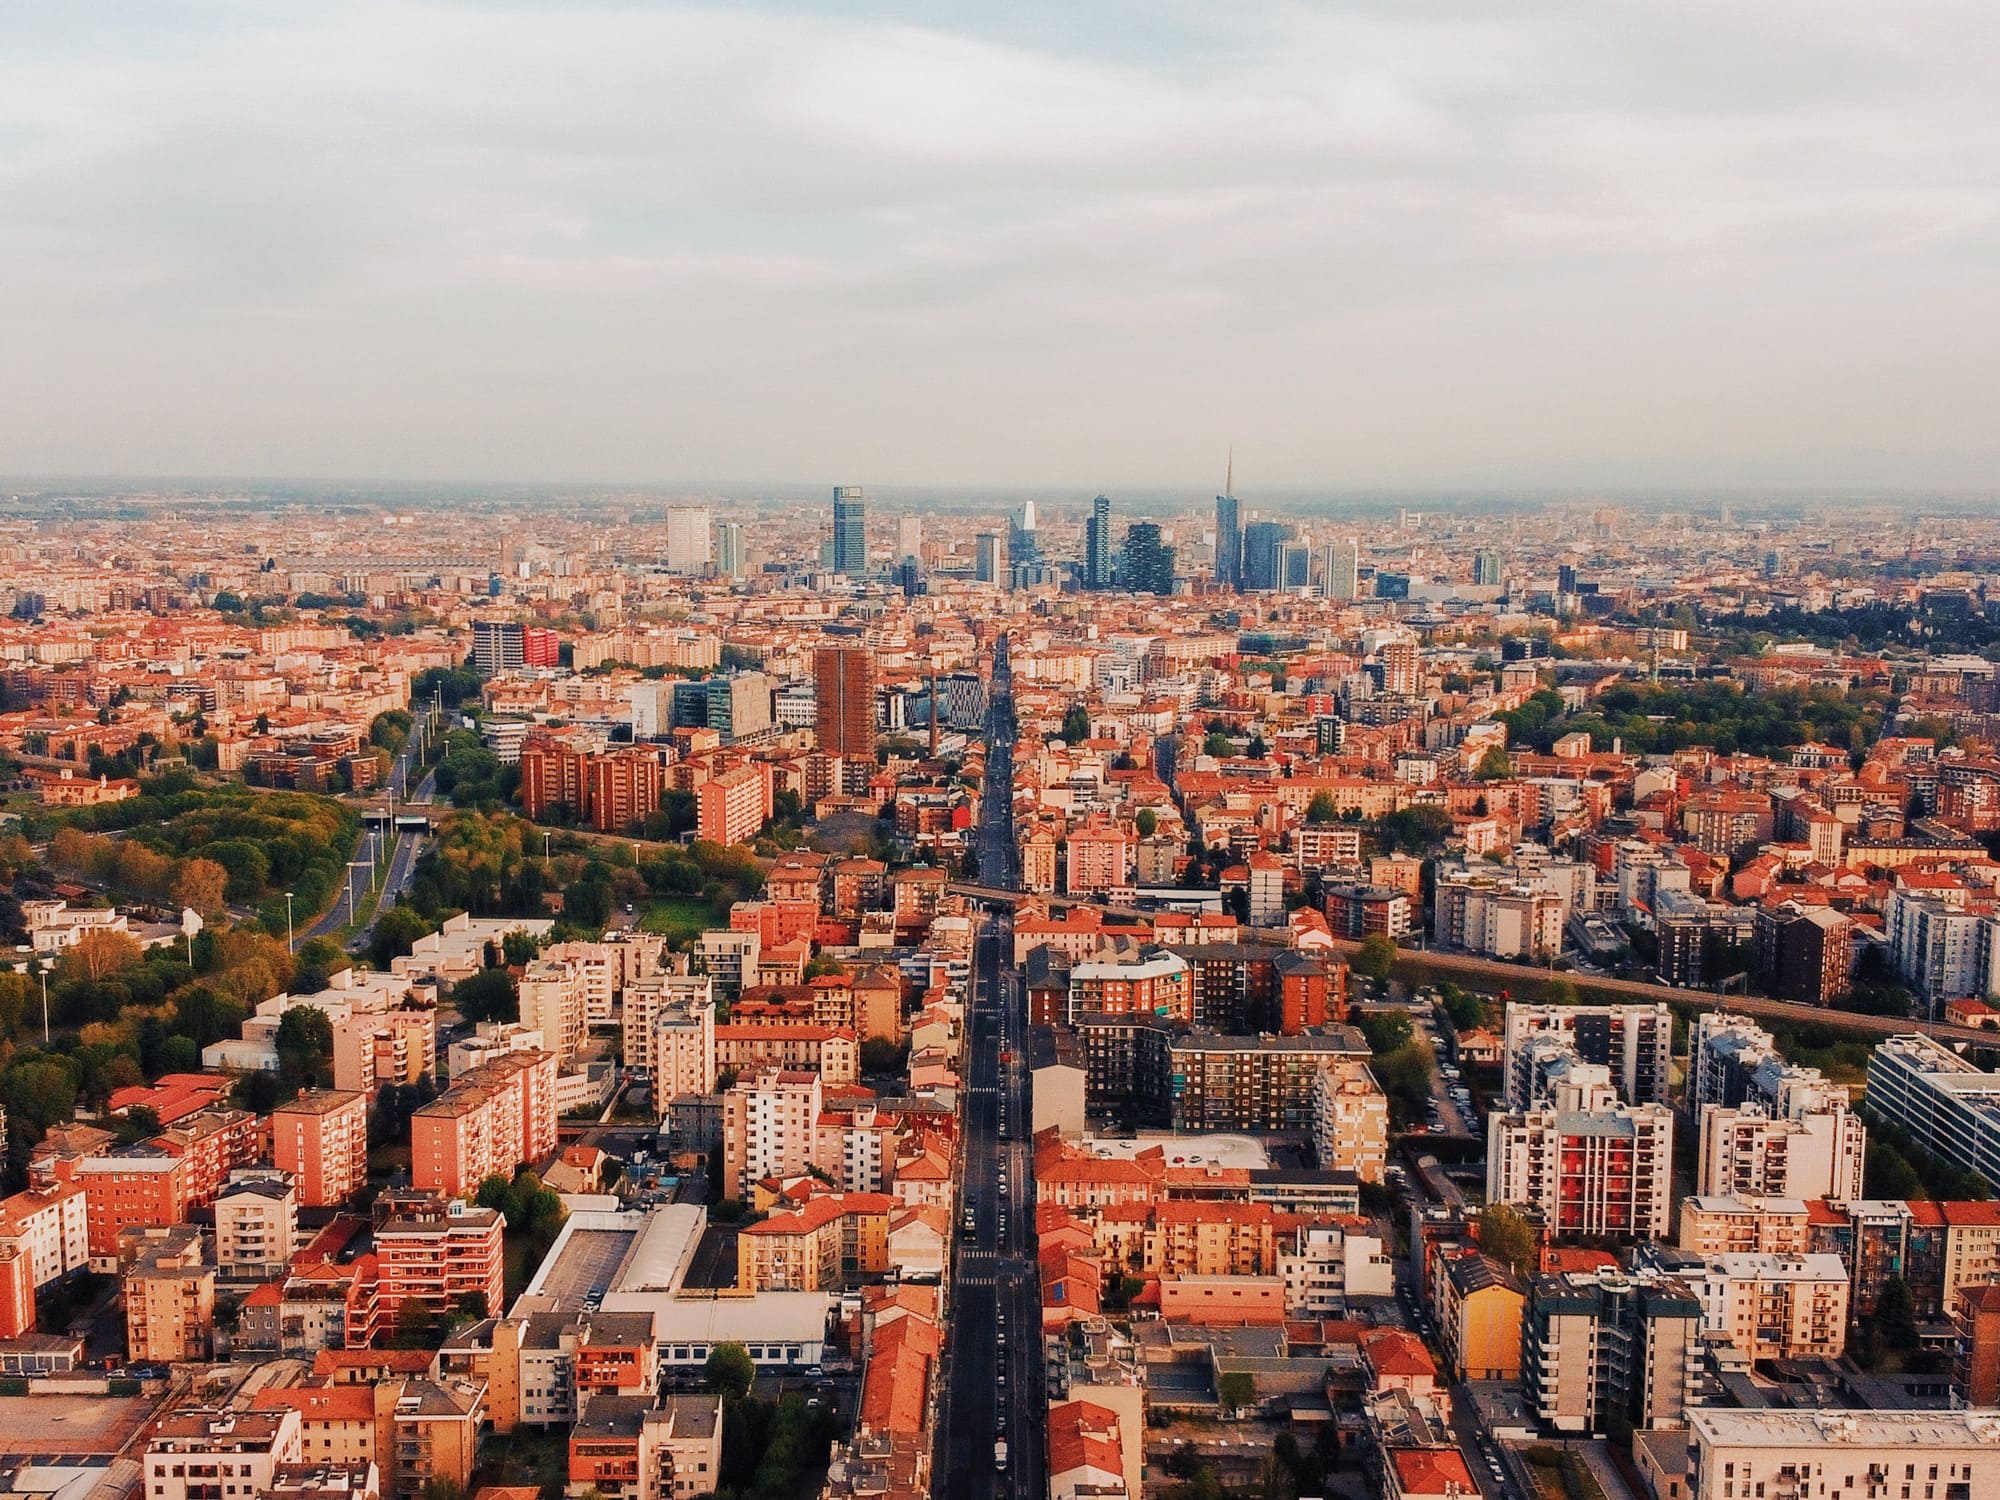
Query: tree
{"type": "Point", "coordinates": [1322, 808]}
{"type": "Point", "coordinates": [305, 1045]}
{"type": "Point", "coordinates": [200, 883]}
{"type": "Point", "coordinates": [587, 899]}
{"type": "Point", "coordinates": [1494, 765]}
{"type": "Point", "coordinates": [730, 1370]}
{"type": "Point", "coordinates": [1257, 749]}
{"type": "Point", "coordinates": [1896, 1312]}
{"type": "Point", "coordinates": [98, 955]}
{"type": "Point", "coordinates": [1508, 1237]}
{"type": "Point", "coordinates": [1147, 822]}
{"type": "Point", "coordinates": [1076, 724]}
{"type": "Point", "coordinates": [395, 931]}
{"type": "Point", "coordinates": [882, 1056]}
{"type": "Point", "coordinates": [1374, 958]}
{"type": "Point", "coordinates": [415, 1328]}
{"type": "Point", "coordinates": [1238, 1390]}
{"type": "Point", "coordinates": [1563, 992]}
{"type": "Point", "coordinates": [472, 1305]}
{"type": "Point", "coordinates": [489, 995]}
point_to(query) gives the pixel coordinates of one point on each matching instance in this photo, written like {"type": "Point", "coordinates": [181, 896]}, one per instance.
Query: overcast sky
{"type": "Point", "coordinates": [1371, 245]}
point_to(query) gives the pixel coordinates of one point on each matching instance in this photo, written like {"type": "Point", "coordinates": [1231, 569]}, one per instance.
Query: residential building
{"type": "Point", "coordinates": [668, 1022]}
{"type": "Point", "coordinates": [1479, 1308]}
{"type": "Point", "coordinates": [829, 1242]}
{"type": "Point", "coordinates": [1738, 1224]}
{"type": "Point", "coordinates": [256, 1226]}
{"type": "Point", "coordinates": [1855, 1454]}
{"type": "Point", "coordinates": [1585, 1163]}
{"type": "Point", "coordinates": [735, 804]}
{"type": "Point", "coordinates": [1946, 1105]}
{"type": "Point", "coordinates": [1769, 1306]}
{"type": "Point", "coordinates": [1601, 1348]}
{"type": "Point", "coordinates": [1258, 1083]}
{"type": "Point", "coordinates": [321, 1139]}
{"type": "Point", "coordinates": [844, 697]}
{"type": "Point", "coordinates": [169, 1291]}
{"type": "Point", "coordinates": [443, 1255]}
{"type": "Point", "coordinates": [1817, 1152]}
{"type": "Point", "coordinates": [1152, 984]}
{"type": "Point", "coordinates": [1804, 953]}
{"type": "Point", "coordinates": [769, 1120]}
{"type": "Point", "coordinates": [1634, 1041]}
{"type": "Point", "coordinates": [492, 1120]}
{"type": "Point", "coordinates": [1350, 1120]}
{"type": "Point", "coordinates": [191, 1447]}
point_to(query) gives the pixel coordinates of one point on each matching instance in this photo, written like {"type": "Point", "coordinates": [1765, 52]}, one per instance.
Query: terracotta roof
{"type": "Point", "coordinates": [1432, 1471]}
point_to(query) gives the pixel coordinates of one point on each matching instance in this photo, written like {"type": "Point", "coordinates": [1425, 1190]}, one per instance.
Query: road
{"type": "Point", "coordinates": [994, 1380]}
{"type": "Point", "coordinates": [402, 859]}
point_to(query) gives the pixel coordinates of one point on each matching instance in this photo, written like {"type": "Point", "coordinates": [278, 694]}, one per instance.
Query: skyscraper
{"type": "Point", "coordinates": [729, 559]}
{"type": "Point", "coordinates": [498, 646]}
{"type": "Point", "coordinates": [1259, 565]}
{"type": "Point", "coordinates": [850, 531]}
{"type": "Point", "coordinates": [910, 537]}
{"type": "Point", "coordinates": [844, 682]}
{"type": "Point", "coordinates": [1228, 542]}
{"type": "Point", "coordinates": [1023, 547]}
{"type": "Point", "coordinates": [687, 538]}
{"type": "Point", "coordinates": [1097, 545]}
{"type": "Point", "coordinates": [1146, 564]}
{"type": "Point", "coordinates": [1486, 567]}
{"type": "Point", "coordinates": [1340, 569]}
{"type": "Point", "coordinates": [989, 559]}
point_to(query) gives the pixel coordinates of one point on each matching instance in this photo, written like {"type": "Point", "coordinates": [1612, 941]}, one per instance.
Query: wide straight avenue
{"type": "Point", "coordinates": [994, 1380]}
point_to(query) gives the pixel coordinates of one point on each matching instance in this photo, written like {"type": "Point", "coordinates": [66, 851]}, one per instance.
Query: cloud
{"type": "Point", "coordinates": [1371, 244]}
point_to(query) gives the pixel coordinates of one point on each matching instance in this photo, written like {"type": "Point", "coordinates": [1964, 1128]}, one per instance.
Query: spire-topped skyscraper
{"type": "Point", "coordinates": [1229, 532]}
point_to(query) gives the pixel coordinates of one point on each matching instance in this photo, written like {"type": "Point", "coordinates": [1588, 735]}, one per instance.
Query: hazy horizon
{"type": "Point", "coordinates": [1659, 251]}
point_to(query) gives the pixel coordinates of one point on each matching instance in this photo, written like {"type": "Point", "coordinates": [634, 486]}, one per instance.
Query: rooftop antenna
{"type": "Point", "coordinates": [1229, 474]}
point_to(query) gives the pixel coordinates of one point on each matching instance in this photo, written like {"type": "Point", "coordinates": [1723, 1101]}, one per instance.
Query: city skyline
{"type": "Point", "coordinates": [1665, 248]}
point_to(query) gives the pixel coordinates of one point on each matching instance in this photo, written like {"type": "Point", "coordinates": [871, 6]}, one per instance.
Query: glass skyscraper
{"type": "Point", "coordinates": [1228, 542]}
{"type": "Point", "coordinates": [850, 531]}
{"type": "Point", "coordinates": [1097, 545]}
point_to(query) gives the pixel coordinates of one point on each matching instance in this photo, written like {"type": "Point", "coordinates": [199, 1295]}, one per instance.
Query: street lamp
{"type": "Point", "coordinates": [288, 922]}
{"type": "Point", "coordinates": [45, 1007]}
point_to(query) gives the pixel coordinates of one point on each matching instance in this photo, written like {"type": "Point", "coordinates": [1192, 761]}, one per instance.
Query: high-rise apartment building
{"type": "Point", "coordinates": [1585, 1163]}
{"type": "Point", "coordinates": [1633, 1041]}
{"type": "Point", "coordinates": [439, 1253]}
{"type": "Point", "coordinates": [495, 1118]}
{"type": "Point", "coordinates": [850, 531]}
{"type": "Point", "coordinates": [770, 1120]}
{"type": "Point", "coordinates": [735, 804]}
{"type": "Point", "coordinates": [1605, 1347]}
{"type": "Point", "coordinates": [844, 719]}
{"type": "Point", "coordinates": [1228, 542]}
{"type": "Point", "coordinates": [1146, 563]}
{"type": "Point", "coordinates": [687, 539]}
{"type": "Point", "coordinates": [321, 1138]}
{"type": "Point", "coordinates": [1097, 545]}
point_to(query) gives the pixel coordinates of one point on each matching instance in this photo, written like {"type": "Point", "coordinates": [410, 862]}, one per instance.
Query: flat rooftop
{"type": "Point", "coordinates": [1187, 1150]}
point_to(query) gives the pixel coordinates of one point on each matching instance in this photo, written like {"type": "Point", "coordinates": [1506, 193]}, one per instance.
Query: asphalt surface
{"type": "Point", "coordinates": [994, 1377]}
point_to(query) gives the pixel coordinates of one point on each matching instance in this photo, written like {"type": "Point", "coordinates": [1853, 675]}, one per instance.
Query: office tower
{"type": "Point", "coordinates": [1294, 561]}
{"type": "Point", "coordinates": [497, 646]}
{"type": "Point", "coordinates": [989, 559]}
{"type": "Point", "coordinates": [850, 531]}
{"type": "Point", "coordinates": [1228, 542]}
{"type": "Point", "coordinates": [1566, 578]}
{"type": "Point", "coordinates": [1146, 565]}
{"type": "Point", "coordinates": [738, 707]}
{"type": "Point", "coordinates": [844, 681]}
{"type": "Point", "coordinates": [1097, 545]}
{"type": "Point", "coordinates": [1023, 549]}
{"type": "Point", "coordinates": [1261, 540]}
{"type": "Point", "coordinates": [1486, 567]}
{"type": "Point", "coordinates": [910, 536]}
{"type": "Point", "coordinates": [687, 538]}
{"type": "Point", "coordinates": [1340, 569]}
{"type": "Point", "coordinates": [909, 577]}
{"type": "Point", "coordinates": [729, 557]}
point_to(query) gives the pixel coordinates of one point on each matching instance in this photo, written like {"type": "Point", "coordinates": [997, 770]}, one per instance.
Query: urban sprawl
{"type": "Point", "coordinates": [634, 999]}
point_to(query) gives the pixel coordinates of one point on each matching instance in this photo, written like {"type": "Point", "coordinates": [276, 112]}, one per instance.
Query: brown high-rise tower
{"type": "Point", "coordinates": [844, 680]}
